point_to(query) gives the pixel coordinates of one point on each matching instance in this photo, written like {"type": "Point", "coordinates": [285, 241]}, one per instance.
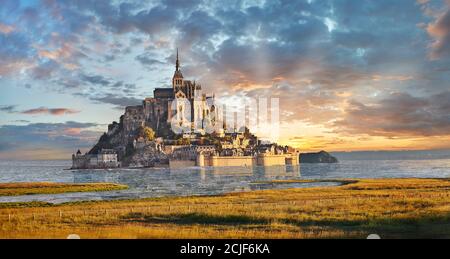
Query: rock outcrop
{"type": "Point", "coordinates": [320, 157]}
{"type": "Point", "coordinates": [114, 139]}
{"type": "Point", "coordinates": [130, 152]}
{"type": "Point", "coordinates": [147, 156]}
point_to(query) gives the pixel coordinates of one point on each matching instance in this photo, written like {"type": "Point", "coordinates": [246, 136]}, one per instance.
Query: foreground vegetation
{"type": "Point", "coordinates": [14, 189]}
{"type": "Point", "coordinates": [392, 208]}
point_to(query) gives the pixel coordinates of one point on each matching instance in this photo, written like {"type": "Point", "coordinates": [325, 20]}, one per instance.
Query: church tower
{"type": "Point", "coordinates": [177, 80]}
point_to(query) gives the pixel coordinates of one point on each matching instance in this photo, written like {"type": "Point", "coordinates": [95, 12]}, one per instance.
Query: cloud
{"type": "Point", "coordinates": [120, 102]}
{"type": "Point", "coordinates": [57, 136]}
{"type": "Point", "coordinates": [45, 70]}
{"type": "Point", "coordinates": [38, 111]}
{"type": "Point", "coordinates": [50, 111]}
{"type": "Point", "coordinates": [95, 79]}
{"type": "Point", "coordinates": [13, 54]}
{"type": "Point", "coordinates": [398, 115]}
{"type": "Point", "coordinates": [8, 108]}
{"type": "Point", "coordinates": [147, 60]}
{"type": "Point", "coordinates": [66, 54]}
{"type": "Point", "coordinates": [6, 29]}
{"type": "Point", "coordinates": [329, 62]}
{"type": "Point", "coordinates": [198, 28]}
{"type": "Point", "coordinates": [439, 30]}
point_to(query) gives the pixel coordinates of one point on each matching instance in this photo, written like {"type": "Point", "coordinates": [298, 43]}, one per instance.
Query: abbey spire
{"type": "Point", "coordinates": [177, 64]}
{"type": "Point", "coordinates": [177, 80]}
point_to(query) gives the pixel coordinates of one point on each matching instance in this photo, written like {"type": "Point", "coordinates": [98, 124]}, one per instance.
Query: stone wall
{"type": "Point", "coordinates": [84, 161]}
{"type": "Point", "coordinates": [133, 119]}
{"type": "Point", "coordinates": [156, 113]}
{"type": "Point", "coordinates": [89, 161]}
{"type": "Point", "coordinates": [272, 160]}
{"type": "Point", "coordinates": [230, 161]}
{"type": "Point", "coordinates": [79, 161]}
{"type": "Point", "coordinates": [245, 161]}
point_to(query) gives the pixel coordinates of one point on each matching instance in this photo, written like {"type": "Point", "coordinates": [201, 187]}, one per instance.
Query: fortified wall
{"type": "Point", "coordinates": [106, 158]}
{"type": "Point", "coordinates": [247, 161]}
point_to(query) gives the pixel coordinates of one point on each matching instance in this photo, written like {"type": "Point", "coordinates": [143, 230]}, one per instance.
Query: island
{"type": "Point", "coordinates": [320, 157]}
{"type": "Point", "coordinates": [159, 132]}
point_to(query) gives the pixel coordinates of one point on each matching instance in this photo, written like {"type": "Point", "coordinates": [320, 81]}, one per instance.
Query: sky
{"type": "Point", "coordinates": [349, 74]}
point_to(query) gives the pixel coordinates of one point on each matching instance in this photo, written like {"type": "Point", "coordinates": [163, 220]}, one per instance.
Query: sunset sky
{"type": "Point", "coordinates": [350, 75]}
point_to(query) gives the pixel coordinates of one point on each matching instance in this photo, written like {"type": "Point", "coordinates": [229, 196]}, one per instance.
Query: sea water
{"type": "Point", "coordinates": [158, 182]}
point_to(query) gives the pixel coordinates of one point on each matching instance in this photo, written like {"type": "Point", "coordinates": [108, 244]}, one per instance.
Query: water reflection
{"type": "Point", "coordinates": [154, 182]}
{"type": "Point", "coordinates": [193, 177]}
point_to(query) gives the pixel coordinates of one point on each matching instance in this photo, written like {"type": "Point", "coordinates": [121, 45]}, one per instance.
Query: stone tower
{"type": "Point", "coordinates": [177, 80]}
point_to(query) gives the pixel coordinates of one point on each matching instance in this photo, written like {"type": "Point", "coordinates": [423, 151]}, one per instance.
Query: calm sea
{"type": "Point", "coordinates": [157, 182]}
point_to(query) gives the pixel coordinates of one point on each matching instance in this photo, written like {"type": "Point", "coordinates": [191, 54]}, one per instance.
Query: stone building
{"type": "Point", "coordinates": [183, 102]}
{"type": "Point", "coordinates": [236, 141]}
{"type": "Point", "coordinates": [106, 158]}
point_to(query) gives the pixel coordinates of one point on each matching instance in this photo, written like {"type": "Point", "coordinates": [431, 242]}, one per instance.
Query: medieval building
{"type": "Point", "coordinates": [106, 158]}
{"type": "Point", "coordinates": [184, 102]}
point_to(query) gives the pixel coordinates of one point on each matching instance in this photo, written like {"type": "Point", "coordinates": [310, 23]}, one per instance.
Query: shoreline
{"type": "Point", "coordinates": [91, 189]}
{"type": "Point", "coordinates": [32, 196]}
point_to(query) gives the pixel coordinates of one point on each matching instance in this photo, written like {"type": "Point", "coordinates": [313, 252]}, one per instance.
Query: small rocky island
{"type": "Point", "coordinates": [158, 132]}
{"type": "Point", "coordinates": [320, 157]}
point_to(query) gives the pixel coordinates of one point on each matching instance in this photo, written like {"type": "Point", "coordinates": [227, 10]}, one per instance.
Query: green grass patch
{"type": "Point", "coordinates": [15, 189]}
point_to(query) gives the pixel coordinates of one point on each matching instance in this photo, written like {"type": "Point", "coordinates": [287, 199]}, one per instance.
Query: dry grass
{"type": "Point", "coordinates": [14, 189]}
{"type": "Point", "coordinates": [393, 208]}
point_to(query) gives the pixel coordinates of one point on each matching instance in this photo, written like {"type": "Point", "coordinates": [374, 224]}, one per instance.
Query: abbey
{"type": "Point", "coordinates": [157, 111]}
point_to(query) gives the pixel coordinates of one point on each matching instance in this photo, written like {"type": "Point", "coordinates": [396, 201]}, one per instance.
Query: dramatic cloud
{"type": "Point", "coordinates": [399, 115]}
{"type": "Point", "coordinates": [332, 64]}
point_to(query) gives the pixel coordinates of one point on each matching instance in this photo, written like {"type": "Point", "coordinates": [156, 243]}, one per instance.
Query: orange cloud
{"type": "Point", "coordinates": [51, 111]}
{"type": "Point", "coordinates": [6, 29]}
{"type": "Point", "coordinates": [439, 30]}
{"type": "Point", "coordinates": [391, 78]}
{"type": "Point", "coordinates": [64, 55]}
{"type": "Point", "coordinates": [72, 131]}
{"type": "Point", "coordinates": [64, 52]}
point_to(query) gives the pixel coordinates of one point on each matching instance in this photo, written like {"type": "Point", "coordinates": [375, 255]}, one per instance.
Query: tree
{"type": "Point", "coordinates": [148, 133]}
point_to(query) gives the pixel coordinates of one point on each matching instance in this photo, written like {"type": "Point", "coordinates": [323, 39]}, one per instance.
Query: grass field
{"type": "Point", "coordinates": [14, 189]}
{"type": "Point", "coordinates": [392, 208]}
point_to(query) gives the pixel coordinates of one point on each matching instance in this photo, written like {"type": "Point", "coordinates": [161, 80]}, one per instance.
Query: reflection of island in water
{"type": "Point", "coordinates": [154, 182]}
{"type": "Point", "coordinates": [188, 181]}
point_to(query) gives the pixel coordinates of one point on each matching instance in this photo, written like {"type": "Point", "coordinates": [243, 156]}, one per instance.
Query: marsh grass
{"type": "Point", "coordinates": [14, 189]}
{"type": "Point", "coordinates": [392, 208]}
